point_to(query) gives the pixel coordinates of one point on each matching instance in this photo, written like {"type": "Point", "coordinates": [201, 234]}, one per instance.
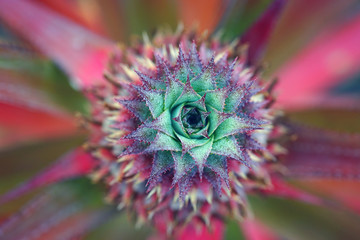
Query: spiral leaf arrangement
{"type": "Point", "coordinates": [182, 121]}
{"type": "Point", "coordinates": [193, 119]}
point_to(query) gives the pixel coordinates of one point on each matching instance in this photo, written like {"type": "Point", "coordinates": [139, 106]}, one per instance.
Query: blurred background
{"type": "Point", "coordinates": [30, 140]}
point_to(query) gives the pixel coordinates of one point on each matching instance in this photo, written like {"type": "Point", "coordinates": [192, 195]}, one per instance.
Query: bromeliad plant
{"type": "Point", "coordinates": [181, 129]}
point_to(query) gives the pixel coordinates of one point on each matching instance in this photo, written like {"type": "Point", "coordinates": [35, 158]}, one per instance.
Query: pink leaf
{"type": "Point", "coordinates": [281, 189]}
{"type": "Point", "coordinates": [80, 52]}
{"type": "Point", "coordinates": [73, 164]}
{"type": "Point", "coordinates": [329, 59]}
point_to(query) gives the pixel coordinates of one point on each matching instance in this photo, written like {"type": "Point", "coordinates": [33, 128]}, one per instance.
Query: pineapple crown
{"type": "Point", "coordinates": [183, 130]}
{"type": "Point", "coordinates": [195, 112]}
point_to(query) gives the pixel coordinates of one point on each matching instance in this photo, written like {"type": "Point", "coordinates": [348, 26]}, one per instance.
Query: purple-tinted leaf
{"type": "Point", "coordinates": [323, 154]}
{"type": "Point", "coordinates": [328, 163]}
{"type": "Point", "coordinates": [218, 164]}
{"type": "Point", "coordinates": [183, 164]}
{"type": "Point", "coordinates": [163, 161]}
{"type": "Point", "coordinates": [137, 107]}
{"type": "Point", "coordinates": [54, 215]}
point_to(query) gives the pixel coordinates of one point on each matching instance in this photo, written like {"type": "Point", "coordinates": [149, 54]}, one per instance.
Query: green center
{"type": "Point", "coordinates": [189, 121]}
{"type": "Point", "coordinates": [192, 119]}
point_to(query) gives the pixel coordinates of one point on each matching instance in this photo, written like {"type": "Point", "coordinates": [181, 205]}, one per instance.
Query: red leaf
{"type": "Point", "coordinates": [19, 124]}
{"type": "Point", "coordinates": [329, 59]}
{"type": "Point", "coordinates": [73, 164]}
{"type": "Point", "coordinates": [254, 230]}
{"type": "Point", "coordinates": [197, 231]}
{"type": "Point", "coordinates": [80, 52]}
{"type": "Point", "coordinates": [28, 114]}
{"type": "Point", "coordinates": [259, 33]}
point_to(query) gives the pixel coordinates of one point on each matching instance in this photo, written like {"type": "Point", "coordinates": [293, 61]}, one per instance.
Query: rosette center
{"type": "Point", "coordinates": [192, 118]}
{"type": "Point", "coordinates": [190, 121]}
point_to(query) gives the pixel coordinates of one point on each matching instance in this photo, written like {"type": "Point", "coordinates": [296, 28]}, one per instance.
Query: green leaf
{"type": "Point", "coordinates": [189, 143]}
{"type": "Point", "coordinates": [142, 133]}
{"type": "Point", "coordinates": [227, 146]}
{"type": "Point", "coordinates": [201, 153]}
{"type": "Point", "coordinates": [154, 100]}
{"type": "Point", "coordinates": [233, 231]}
{"type": "Point", "coordinates": [233, 125]}
{"type": "Point", "coordinates": [182, 165]}
{"type": "Point", "coordinates": [234, 98]}
{"type": "Point", "coordinates": [163, 123]}
{"type": "Point", "coordinates": [188, 95]}
{"type": "Point", "coordinates": [215, 119]}
{"type": "Point", "coordinates": [202, 132]}
{"type": "Point", "coordinates": [47, 76]}
{"type": "Point", "coordinates": [200, 104]}
{"type": "Point", "coordinates": [140, 16]}
{"type": "Point", "coordinates": [205, 80]}
{"type": "Point", "coordinates": [177, 122]}
{"type": "Point", "coordinates": [216, 98]}
{"type": "Point", "coordinates": [174, 89]}
{"type": "Point", "coordinates": [164, 142]}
